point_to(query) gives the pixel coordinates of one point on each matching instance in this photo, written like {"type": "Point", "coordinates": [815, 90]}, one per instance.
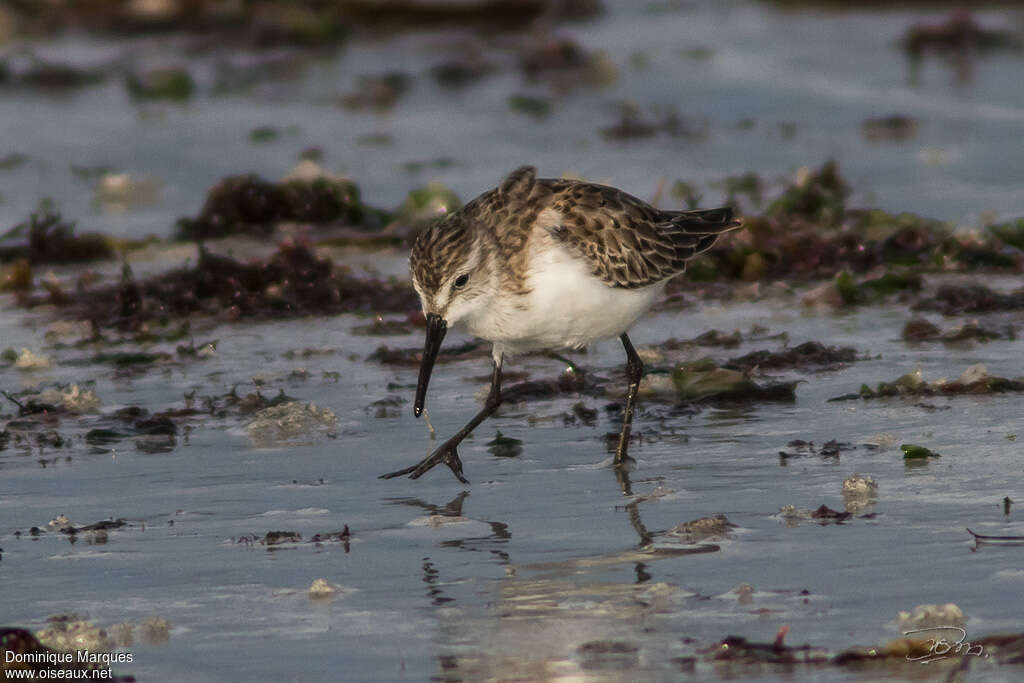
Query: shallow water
{"type": "Point", "coordinates": [511, 576]}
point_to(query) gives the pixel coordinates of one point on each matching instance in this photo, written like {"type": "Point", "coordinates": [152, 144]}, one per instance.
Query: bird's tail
{"type": "Point", "coordinates": [706, 221]}
{"type": "Point", "coordinates": [697, 230]}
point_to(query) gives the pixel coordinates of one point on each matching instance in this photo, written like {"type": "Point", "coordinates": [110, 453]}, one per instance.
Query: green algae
{"type": "Point", "coordinates": [809, 231]}
{"type": "Point", "coordinates": [502, 446]}
{"type": "Point", "coordinates": [975, 380]}
{"type": "Point", "coordinates": [704, 380]}
{"type": "Point", "coordinates": [748, 184]}
{"type": "Point", "coordinates": [172, 83]}
{"type": "Point", "coordinates": [1011, 232]}
{"type": "Point", "coordinates": [686, 192]}
{"type": "Point", "coordinates": [264, 134]}
{"type": "Point", "coordinates": [915, 452]}
{"type": "Point", "coordinates": [427, 203]}
{"type": "Point", "coordinates": [872, 290]}
{"type": "Point", "coordinates": [12, 161]}
{"type": "Point", "coordinates": [538, 107]}
{"type": "Point", "coordinates": [817, 196]}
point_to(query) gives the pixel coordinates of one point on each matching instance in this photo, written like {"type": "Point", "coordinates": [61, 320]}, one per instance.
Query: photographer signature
{"type": "Point", "coordinates": [940, 648]}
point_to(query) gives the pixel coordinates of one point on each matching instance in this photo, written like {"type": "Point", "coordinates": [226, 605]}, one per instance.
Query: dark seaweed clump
{"type": "Point", "coordinates": [38, 419]}
{"type": "Point", "coordinates": [272, 23]}
{"type": "Point", "coordinates": [959, 35]}
{"type": "Point", "coordinates": [248, 204]}
{"type": "Point", "coordinates": [805, 355]}
{"type": "Point", "coordinates": [503, 13]}
{"type": "Point", "coordinates": [267, 23]}
{"type": "Point", "coordinates": [273, 538]}
{"type": "Point", "coordinates": [742, 651]}
{"type": "Point", "coordinates": [806, 233]}
{"type": "Point", "coordinates": [951, 299]}
{"type": "Point", "coordinates": [293, 281]}
{"type": "Point", "coordinates": [45, 237]}
{"type": "Point", "coordinates": [921, 330]}
{"type": "Point", "coordinates": [703, 381]}
{"type": "Point", "coordinates": [885, 658]}
{"type": "Point", "coordinates": [802, 448]}
{"type": "Point", "coordinates": [975, 380]}
{"type": "Point", "coordinates": [809, 232]}
{"type": "Point", "coordinates": [30, 71]}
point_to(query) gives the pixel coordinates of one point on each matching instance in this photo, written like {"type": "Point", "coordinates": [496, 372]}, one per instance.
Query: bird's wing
{"type": "Point", "coordinates": [627, 242]}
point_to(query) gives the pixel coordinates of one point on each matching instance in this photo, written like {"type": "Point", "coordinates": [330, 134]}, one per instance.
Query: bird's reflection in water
{"type": "Point", "coordinates": [434, 592]}
{"type": "Point", "coordinates": [632, 508]}
{"type": "Point", "coordinates": [572, 617]}
{"type": "Point", "coordinates": [452, 508]}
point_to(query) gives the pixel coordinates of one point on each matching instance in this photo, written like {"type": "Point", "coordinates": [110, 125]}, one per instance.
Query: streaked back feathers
{"type": "Point", "coordinates": [624, 241]}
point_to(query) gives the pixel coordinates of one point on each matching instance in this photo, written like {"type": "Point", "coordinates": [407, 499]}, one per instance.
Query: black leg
{"type": "Point", "coordinates": [634, 371]}
{"type": "Point", "coordinates": [448, 452]}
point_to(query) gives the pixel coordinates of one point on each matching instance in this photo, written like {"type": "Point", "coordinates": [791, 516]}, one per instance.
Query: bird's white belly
{"type": "Point", "coordinates": [566, 307]}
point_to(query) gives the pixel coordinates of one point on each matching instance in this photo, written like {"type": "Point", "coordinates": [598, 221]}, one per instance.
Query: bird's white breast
{"type": "Point", "coordinates": [567, 306]}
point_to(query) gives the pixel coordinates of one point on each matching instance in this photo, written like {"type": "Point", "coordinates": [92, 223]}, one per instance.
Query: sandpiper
{"type": "Point", "coordinates": [538, 264]}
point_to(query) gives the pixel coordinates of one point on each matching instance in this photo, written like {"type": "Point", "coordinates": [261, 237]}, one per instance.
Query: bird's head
{"type": "Point", "coordinates": [453, 275]}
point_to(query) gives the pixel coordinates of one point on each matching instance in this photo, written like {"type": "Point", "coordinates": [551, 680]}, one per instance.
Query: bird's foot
{"type": "Point", "coordinates": [447, 454]}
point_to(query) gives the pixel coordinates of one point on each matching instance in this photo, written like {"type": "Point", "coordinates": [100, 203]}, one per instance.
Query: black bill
{"type": "Point", "coordinates": [436, 328]}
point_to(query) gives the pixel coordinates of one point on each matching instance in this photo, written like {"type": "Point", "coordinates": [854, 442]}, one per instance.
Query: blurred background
{"type": "Point", "coordinates": [122, 113]}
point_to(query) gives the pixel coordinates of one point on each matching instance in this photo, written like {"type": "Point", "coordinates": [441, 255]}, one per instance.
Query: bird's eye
{"type": "Point", "coordinates": [461, 281]}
